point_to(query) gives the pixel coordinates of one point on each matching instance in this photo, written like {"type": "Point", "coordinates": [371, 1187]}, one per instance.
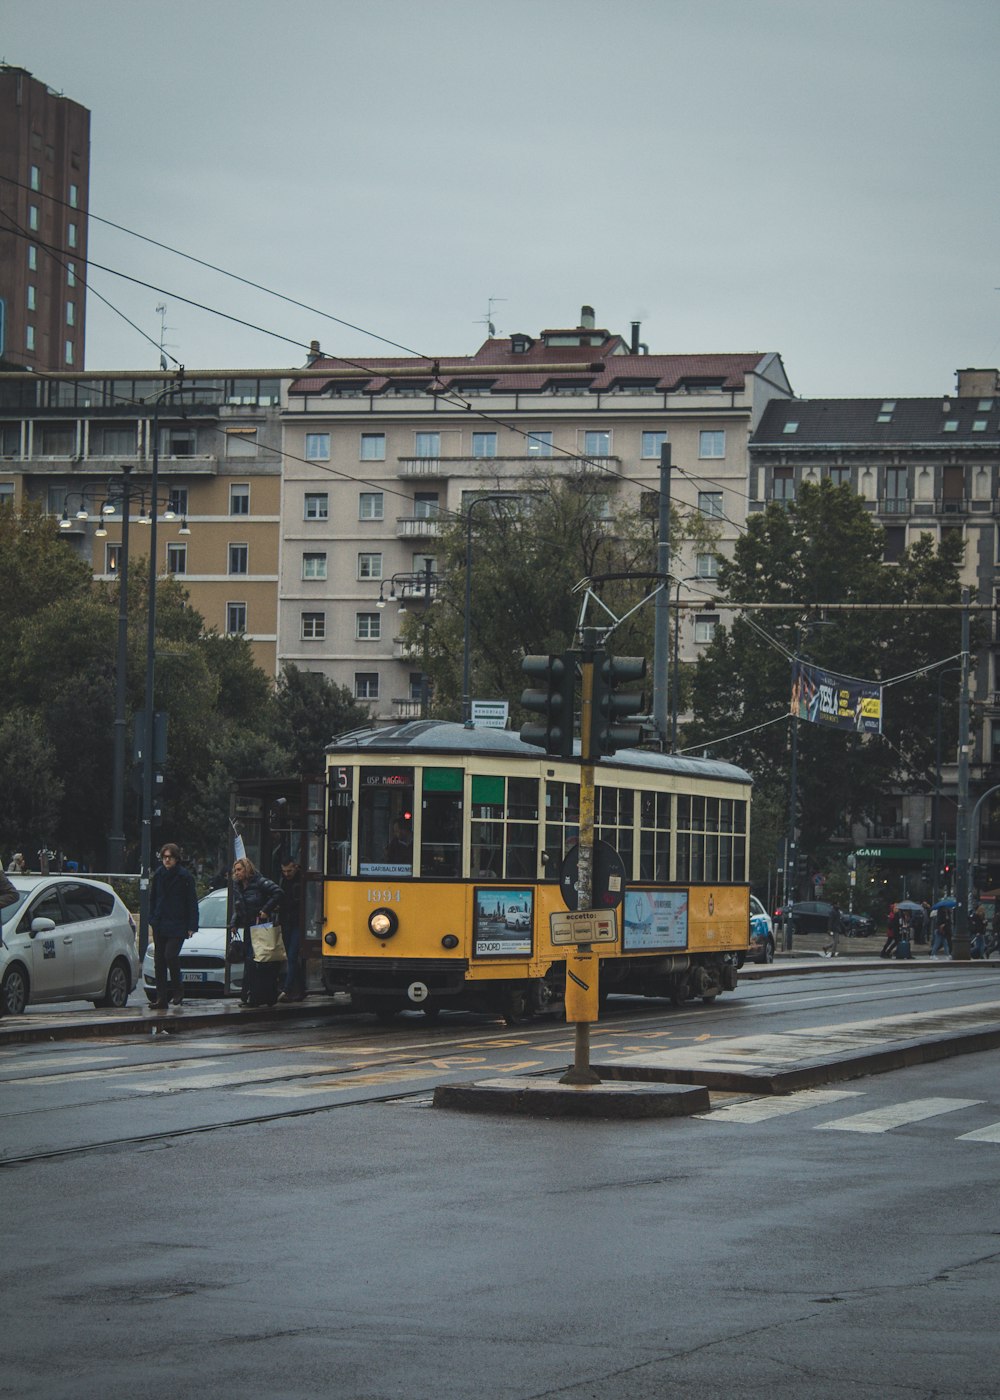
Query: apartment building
{"type": "Point", "coordinates": [377, 455]}
{"type": "Point", "coordinates": [44, 184]}
{"type": "Point", "coordinates": [922, 466]}
{"type": "Point", "coordinates": [74, 444]}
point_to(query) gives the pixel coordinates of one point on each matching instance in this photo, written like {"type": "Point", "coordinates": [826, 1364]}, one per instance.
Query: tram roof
{"type": "Point", "coordinates": [440, 736]}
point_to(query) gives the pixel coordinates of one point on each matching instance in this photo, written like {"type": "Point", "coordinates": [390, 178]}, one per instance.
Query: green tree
{"type": "Point", "coordinates": [308, 711]}
{"type": "Point", "coordinates": [826, 548]}
{"type": "Point", "coordinates": [530, 553]}
{"type": "Point", "coordinates": [31, 785]}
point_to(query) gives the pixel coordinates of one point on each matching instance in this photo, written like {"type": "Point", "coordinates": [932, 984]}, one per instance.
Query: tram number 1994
{"type": "Point", "coordinates": [383, 896]}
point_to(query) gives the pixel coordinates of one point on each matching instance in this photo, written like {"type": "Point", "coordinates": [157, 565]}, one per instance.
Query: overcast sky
{"type": "Point", "coordinates": [813, 177]}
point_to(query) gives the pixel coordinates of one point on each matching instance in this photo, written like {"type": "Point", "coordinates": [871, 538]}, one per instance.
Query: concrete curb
{"type": "Point", "coordinates": [546, 1098]}
{"type": "Point", "coordinates": [86, 1025]}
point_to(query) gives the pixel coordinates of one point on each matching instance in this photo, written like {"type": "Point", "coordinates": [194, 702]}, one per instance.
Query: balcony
{"type": "Point", "coordinates": [406, 709]}
{"type": "Point", "coordinates": [417, 527]}
{"type": "Point", "coordinates": [428, 468]}
{"type": "Point", "coordinates": [894, 505]}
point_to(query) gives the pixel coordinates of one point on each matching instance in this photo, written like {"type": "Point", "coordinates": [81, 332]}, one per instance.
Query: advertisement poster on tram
{"type": "Point", "coordinates": [655, 919]}
{"type": "Point", "coordinates": [503, 922]}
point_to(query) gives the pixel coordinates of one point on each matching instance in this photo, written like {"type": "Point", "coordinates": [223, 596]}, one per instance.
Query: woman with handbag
{"type": "Point", "coordinates": [255, 899]}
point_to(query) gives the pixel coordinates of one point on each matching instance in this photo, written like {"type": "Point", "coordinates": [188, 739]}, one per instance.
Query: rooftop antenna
{"type": "Point", "coordinates": [488, 322]}
{"type": "Point", "coordinates": [161, 311]}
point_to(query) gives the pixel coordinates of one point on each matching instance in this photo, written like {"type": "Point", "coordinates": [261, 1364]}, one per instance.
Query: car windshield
{"type": "Point", "coordinates": [10, 912]}
{"type": "Point", "coordinates": [212, 909]}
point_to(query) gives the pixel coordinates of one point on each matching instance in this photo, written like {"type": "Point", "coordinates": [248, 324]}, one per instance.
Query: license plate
{"type": "Point", "coordinates": [194, 976]}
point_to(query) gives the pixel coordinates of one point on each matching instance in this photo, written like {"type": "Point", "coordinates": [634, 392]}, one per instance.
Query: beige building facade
{"type": "Point", "coordinates": [377, 457]}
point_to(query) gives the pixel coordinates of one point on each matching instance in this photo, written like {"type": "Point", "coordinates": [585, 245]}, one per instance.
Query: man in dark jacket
{"type": "Point", "coordinates": [173, 916]}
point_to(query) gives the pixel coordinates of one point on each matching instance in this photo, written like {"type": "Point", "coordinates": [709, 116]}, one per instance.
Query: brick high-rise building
{"type": "Point", "coordinates": [44, 184]}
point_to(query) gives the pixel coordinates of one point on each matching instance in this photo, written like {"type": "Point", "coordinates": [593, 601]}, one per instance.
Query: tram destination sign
{"type": "Point", "coordinates": [584, 926]}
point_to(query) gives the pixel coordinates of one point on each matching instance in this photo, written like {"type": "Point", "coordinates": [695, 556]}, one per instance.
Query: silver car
{"type": "Point", "coordinates": [66, 939]}
{"type": "Point", "coordinates": [203, 957]}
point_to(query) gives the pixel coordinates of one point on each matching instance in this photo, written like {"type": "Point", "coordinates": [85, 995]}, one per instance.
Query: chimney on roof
{"type": "Point", "coordinates": [313, 352]}
{"type": "Point", "coordinates": [634, 347]}
{"type": "Point", "coordinates": [587, 318]}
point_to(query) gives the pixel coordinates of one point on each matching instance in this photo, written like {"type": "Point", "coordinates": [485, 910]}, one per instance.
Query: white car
{"type": "Point", "coordinates": [203, 957]}
{"type": "Point", "coordinates": [66, 939]}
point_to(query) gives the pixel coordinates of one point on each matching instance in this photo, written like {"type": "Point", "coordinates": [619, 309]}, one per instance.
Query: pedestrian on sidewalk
{"type": "Point", "coordinates": [173, 916]}
{"type": "Point", "coordinates": [941, 942]}
{"type": "Point", "coordinates": [892, 938]}
{"type": "Point", "coordinates": [836, 928]}
{"type": "Point", "coordinates": [255, 901]}
{"type": "Point", "coordinates": [291, 931]}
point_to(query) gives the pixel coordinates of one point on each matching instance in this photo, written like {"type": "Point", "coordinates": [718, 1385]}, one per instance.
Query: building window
{"type": "Point", "coordinates": [712, 444]}
{"type": "Point", "coordinates": [369, 566]}
{"type": "Point", "coordinates": [177, 501]}
{"type": "Point", "coordinates": [314, 565]}
{"type": "Point", "coordinates": [33, 217]}
{"type": "Point", "coordinates": [69, 352]}
{"type": "Point", "coordinates": [896, 491]}
{"type": "Point", "coordinates": [313, 626]}
{"type": "Point", "coordinates": [70, 313]}
{"type": "Point", "coordinates": [71, 274]}
{"type": "Point", "coordinates": [317, 447]}
{"type": "Point", "coordinates": [710, 504]}
{"type": "Point", "coordinates": [707, 566]}
{"type": "Point", "coordinates": [790, 427]}
{"type": "Point", "coordinates": [597, 444]}
{"type": "Point", "coordinates": [484, 444]}
{"type": "Point", "coordinates": [33, 261]}
{"type": "Point", "coordinates": [71, 235]}
{"type": "Point", "coordinates": [783, 485]}
{"type": "Point", "coordinates": [840, 476]}
{"type": "Point", "coordinates": [116, 442]}
{"type": "Point", "coordinates": [36, 178]}
{"type": "Point", "coordinates": [176, 558]}
{"type": "Point", "coordinates": [32, 300]}
{"type": "Point", "coordinates": [112, 558]}
{"type": "Point", "coordinates": [317, 506]}
{"type": "Point", "coordinates": [74, 197]}
{"type": "Point", "coordinates": [979, 425]}
{"type": "Point", "coordinates": [426, 505]}
{"type": "Point", "coordinates": [239, 499]}
{"type": "Point", "coordinates": [6, 493]}
{"type": "Point", "coordinates": [366, 685]}
{"type": "Point", "coordinates": [368, 626]}
{"type": "Point", "coordinates": [951, 426]}
{"type": "Point", "coordinates": [416, 690]}
{"type": "Point", "coordinates": [370, 505]}
{"type": "Point", "coordinates": [373, 447]}
{"type": "Point", "coordinates": [236, 619]}
{"type": "Point", "coordinates": [180, 442]}
{"type": "Point", "coordinates": [895, 543]}
{"type": "Point", "coordinates": [29, 337]}
{"type": "Point", "coordinates": [239, 558]}
{"type": "Point", "coordinates": [241, 442]}
{"type": "Point", "coordinates": [704, 628]}
{"type": "Point", "coordinates": [539, 444]}
{"type": "Point", "coordinates": [427, 445]}
{"type": "Point", "coordinates": [651, 444]}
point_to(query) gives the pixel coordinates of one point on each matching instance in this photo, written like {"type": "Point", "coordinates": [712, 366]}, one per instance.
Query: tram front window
{"type": "Point", "coordinates": [385, 821]}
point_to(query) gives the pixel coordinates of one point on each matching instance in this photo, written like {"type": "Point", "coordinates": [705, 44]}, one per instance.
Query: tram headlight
{"type": "Point", "coordinates": [449, 941]}
{"type": "Point", "coordinates": [382, 923]}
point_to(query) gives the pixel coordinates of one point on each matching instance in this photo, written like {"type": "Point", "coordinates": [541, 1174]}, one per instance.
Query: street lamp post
{"type": "Point", "coordinates": [467, 638]}
{"type": "Point", "coordinates": [116, 841]}
{"type": "Point", "coordinates": [936, 802]}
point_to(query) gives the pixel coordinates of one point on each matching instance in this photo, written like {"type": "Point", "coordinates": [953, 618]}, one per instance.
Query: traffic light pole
{"type": "Point", "coordinates": [580, 1072]}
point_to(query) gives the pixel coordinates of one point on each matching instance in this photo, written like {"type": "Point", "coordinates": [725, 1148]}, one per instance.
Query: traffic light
{"type": "Point", "coordinates": [609, 707]}
{"type": "Point", "coordinates": [555, 733]}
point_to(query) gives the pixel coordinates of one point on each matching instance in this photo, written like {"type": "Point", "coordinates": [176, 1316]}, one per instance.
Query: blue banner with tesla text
{"type": "Point", "coordinates": [838, 702]}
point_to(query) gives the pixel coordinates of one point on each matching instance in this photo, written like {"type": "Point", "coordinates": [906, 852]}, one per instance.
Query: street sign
{"type": "Point", "coordinates": [489, 714]}
{"type": "Point", "coordinates": [584, 926]}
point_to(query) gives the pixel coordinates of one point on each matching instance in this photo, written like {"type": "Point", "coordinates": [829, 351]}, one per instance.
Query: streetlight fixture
{"type": "Point", "coordinates": [495, 498]}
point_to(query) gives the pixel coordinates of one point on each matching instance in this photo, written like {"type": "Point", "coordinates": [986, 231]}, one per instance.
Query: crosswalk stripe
{"type": "Point", "coordinates": [760, 1110]}
{"type": "Point", "coordinates": [988, 1134]}
{"type": "Point", "coordinates": [896, 1115]}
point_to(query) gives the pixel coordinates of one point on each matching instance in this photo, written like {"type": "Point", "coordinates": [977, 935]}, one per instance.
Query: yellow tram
{"type": "Point", "coordinates": [445, 848]}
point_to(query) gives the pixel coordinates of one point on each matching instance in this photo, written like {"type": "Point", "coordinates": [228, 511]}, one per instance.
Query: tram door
{"type": "Point", "coordinates": [282, 819]}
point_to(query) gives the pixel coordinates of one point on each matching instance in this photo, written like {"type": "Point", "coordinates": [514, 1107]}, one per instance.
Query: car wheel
{"type": "Point", "coordinates": [14, 992]}
{"type": "Point", "coordinates": [117, 989]}
{"type": "Point", "coordinates": [768, 954]}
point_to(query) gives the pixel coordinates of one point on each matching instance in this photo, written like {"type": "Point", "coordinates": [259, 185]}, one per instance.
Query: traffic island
{"type": "Point", "coordinates": [547, 1098]}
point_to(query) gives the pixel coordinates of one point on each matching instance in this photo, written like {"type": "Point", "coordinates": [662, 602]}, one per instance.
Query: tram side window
{"type": "Point", "coordinates": [711, 839]}
{"type": "Point", "coordinates": [614, 821]}
{"type": "Point", "coordinates": [441, 823]}
{"type": "Point", "coordinates": [385, 821]}
{"type": "Point", "coordinates": [562, 824]}
{"type": "Point", "coordinates": [504, 828]}
{"type": "Point", "coordinates": [654, 836]}
{"type": "Point", "coordinates": [338, 854]}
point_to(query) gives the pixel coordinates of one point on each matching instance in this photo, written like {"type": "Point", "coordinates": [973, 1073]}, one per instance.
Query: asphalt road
{"type": "Point", "coordinates": [279, 1213]}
